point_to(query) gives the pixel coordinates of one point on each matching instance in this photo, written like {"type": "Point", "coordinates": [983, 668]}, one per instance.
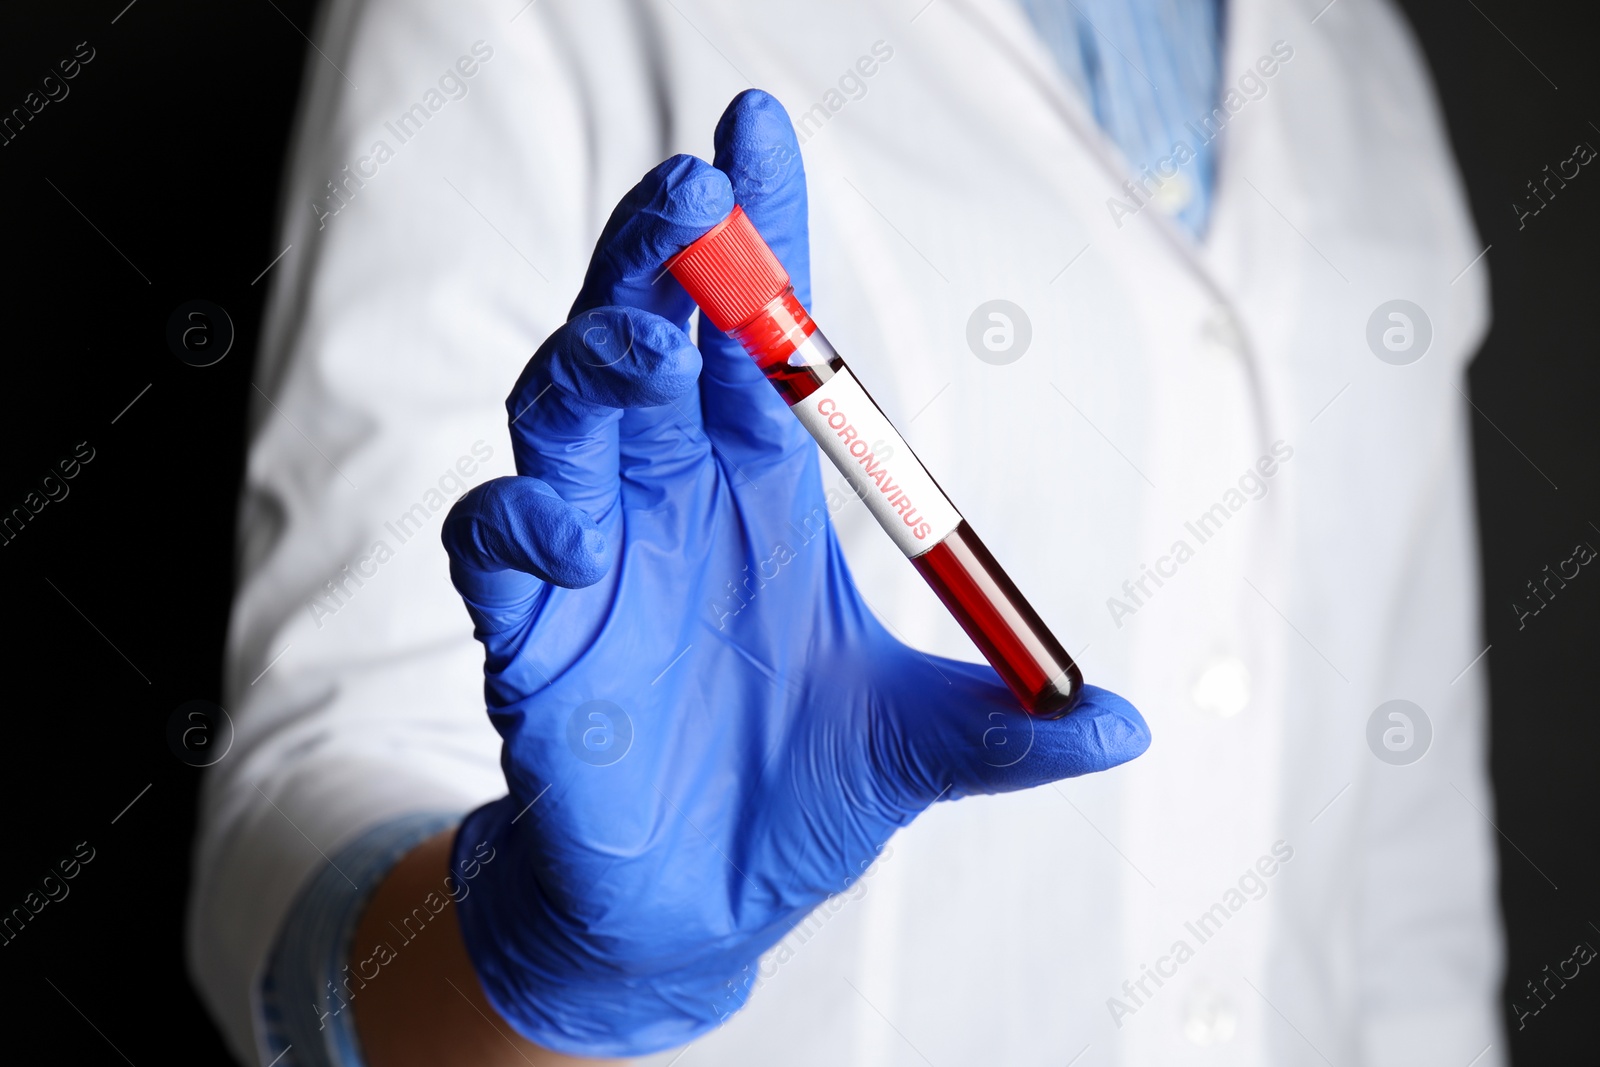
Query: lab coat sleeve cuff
{"type": "Point", "coordinates": [303, 998]}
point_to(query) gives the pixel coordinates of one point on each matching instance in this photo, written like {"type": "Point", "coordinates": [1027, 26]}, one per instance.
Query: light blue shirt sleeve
{"type": "Point", "coordinates": [307, 988]}
{"type": "Point", "coordinates": [1150, 71]}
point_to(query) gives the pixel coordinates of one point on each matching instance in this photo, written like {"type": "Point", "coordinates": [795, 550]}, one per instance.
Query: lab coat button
{"type": "Point", "coordinates": [1223, 688]}
{"type": "Point", "coordinates": [1173, 194]}
{"type": "Point", "coordinates": [1222, 333]}
{"type": "Point", "coordinates": [1209, 1018]}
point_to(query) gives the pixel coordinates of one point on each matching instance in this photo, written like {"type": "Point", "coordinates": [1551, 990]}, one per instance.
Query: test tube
{"type": "Point", "coordinates": [741, 287]}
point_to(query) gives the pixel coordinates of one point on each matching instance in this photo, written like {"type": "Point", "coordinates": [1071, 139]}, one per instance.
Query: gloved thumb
{"type": "Point", "coordinates": [974, 739]}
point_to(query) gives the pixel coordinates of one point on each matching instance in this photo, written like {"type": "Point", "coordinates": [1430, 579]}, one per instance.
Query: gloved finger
{"type": "Point", "coordinates": [970, 737]}
{"type": "Point", "coordinates": [659, 445]}
{"type": "Point", "coordinates": [678, 201]}
{"type": "Point", "coordinates": [565, 407]}
{"type": "Point", "coordinates": [756, 147]}
{"type": "Point", "coordinates": [506, 538]}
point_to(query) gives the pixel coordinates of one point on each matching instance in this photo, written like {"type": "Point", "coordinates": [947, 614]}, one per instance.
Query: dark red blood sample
{"type": "Point", "coordinates": [1003, 625]}
{"type": "Point", "coordinates": [744, 290]}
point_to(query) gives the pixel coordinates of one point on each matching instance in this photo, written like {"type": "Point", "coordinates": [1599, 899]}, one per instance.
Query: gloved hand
{"type": "Point", "coordinates": [706, 730]}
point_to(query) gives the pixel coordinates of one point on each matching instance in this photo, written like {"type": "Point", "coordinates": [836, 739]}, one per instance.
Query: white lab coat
{"type": "Point", "coordinates": [999, 930]}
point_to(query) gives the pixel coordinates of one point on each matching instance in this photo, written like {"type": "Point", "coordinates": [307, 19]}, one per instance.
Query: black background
{"type": "Point", "coordinates": [169, 148]}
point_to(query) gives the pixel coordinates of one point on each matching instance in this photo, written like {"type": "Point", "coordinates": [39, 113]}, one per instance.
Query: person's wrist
{"type": "Point", "coordinates": [424, 1006]}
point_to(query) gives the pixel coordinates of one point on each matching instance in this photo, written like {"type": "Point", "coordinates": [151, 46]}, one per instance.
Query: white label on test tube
{"type": "Point", "coordinates": [878, 464]}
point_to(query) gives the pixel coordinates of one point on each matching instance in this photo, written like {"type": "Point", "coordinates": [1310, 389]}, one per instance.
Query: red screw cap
{"type": "Point", "coordinates": [730, 272]}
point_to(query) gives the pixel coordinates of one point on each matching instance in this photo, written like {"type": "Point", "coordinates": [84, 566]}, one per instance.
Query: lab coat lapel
{"type": "Point", "coordinates": [1004, 27]}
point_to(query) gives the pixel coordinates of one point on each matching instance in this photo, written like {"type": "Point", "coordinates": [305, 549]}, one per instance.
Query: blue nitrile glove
{"type": "Point", "coordinates": [706, 730]}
